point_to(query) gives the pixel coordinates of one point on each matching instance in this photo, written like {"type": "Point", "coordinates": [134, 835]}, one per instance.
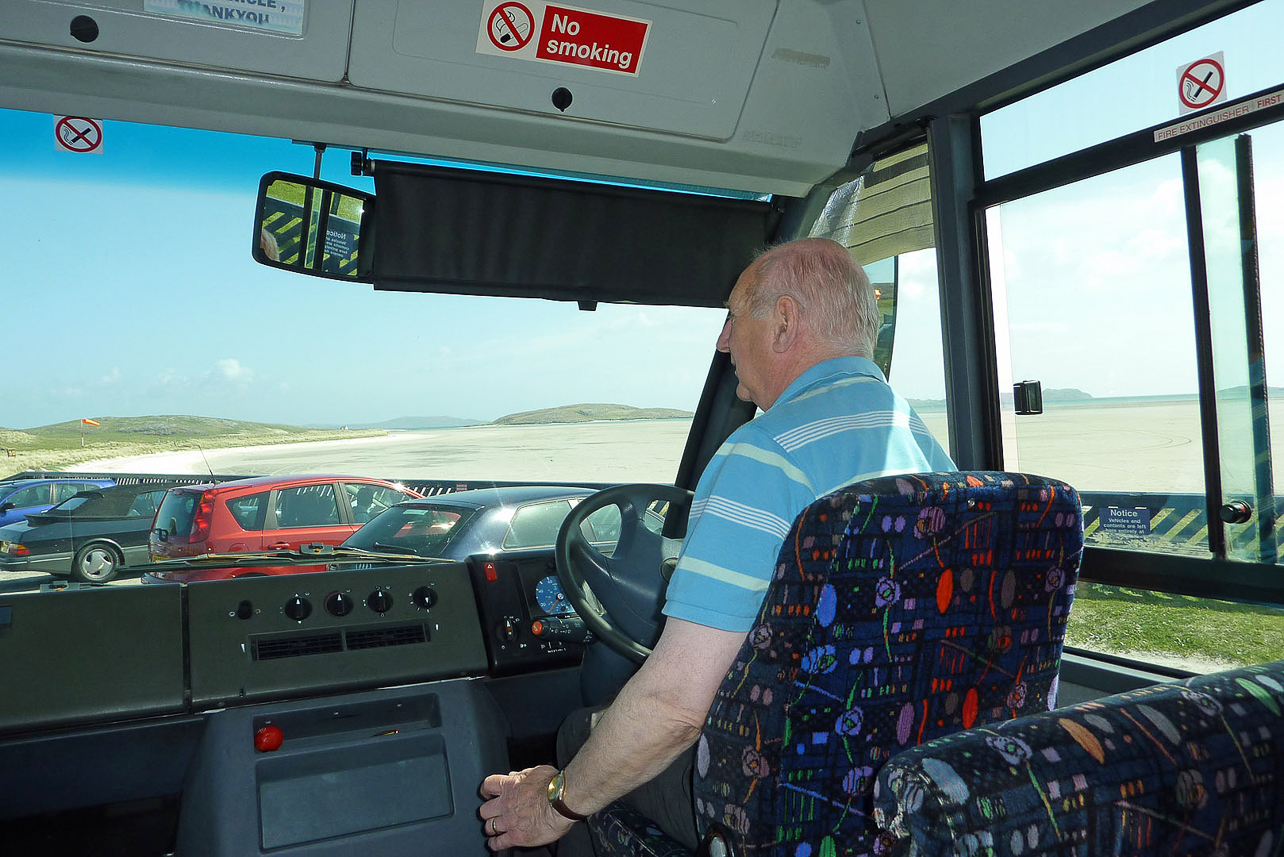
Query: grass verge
{"type": "Point", "coordinates": [1177, 629]}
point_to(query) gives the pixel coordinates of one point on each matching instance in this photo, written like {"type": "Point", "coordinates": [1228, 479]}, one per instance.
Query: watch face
{"type": "Point", "coordinates": [557, 785]}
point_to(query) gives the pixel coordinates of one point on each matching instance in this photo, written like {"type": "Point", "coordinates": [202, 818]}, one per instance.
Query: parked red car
{"type": "Point", "coordinates": [267, 513]}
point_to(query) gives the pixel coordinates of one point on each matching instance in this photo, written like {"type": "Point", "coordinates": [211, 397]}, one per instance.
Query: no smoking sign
{"type": "Point", "coordinates": [1201, 83]}
{"type": "Point", "coordinates": [510, 26]}
{"type": "Point", "coordinates": [78, 134]}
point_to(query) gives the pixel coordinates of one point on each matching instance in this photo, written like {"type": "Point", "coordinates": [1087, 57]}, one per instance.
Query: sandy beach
{"type": "Point", "coordinates": [1149, 446]}
{"type": "Point", "coordinates": [642, 451]}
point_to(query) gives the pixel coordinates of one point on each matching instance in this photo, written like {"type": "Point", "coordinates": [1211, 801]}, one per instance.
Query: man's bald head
{"type": "Point", "coordinates": [831, 289]}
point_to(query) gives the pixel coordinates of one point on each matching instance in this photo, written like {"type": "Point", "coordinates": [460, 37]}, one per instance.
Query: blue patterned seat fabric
{"type": "Point", "coordinates": [1191, 768]}
{"type": "Point", "coordinates": [902, 608]}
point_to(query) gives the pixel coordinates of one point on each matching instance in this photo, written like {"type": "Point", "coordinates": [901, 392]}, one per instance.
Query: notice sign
{"type": "Point", "coordinates": [78, 134]}
{"type": "Point", "coordinates": [1128, 522]}
{"type": "Point", "coordinates": [566, 35]}
{"type": "Point", "coordinates": [1201, 83]}
{"type": "Point", "coordinates": [279, 16]}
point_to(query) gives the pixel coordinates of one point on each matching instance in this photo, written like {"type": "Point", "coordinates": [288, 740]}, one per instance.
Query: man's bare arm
{"type": "Point", "coordinates": [658, 714]}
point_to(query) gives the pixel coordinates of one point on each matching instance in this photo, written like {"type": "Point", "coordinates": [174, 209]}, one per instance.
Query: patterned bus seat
{"type": "Point", "coordinates": [1193, 768]}
{"type": "Point", "coordinates": [902, 608]}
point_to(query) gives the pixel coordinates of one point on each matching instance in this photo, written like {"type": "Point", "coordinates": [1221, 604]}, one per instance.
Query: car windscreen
{"type": "Point", "coordinates": [420, 530]}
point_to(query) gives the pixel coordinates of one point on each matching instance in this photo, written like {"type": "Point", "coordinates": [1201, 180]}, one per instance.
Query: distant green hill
{"type": "Point", "coordinates": [58, 445]}
{"type": "Point", "coordinates": [589, 413]}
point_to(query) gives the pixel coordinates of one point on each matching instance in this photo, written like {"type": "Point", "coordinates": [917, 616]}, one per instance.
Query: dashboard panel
{"type": "Point", "coordinates": [525, 617]}
{"type": "Point", "coordinates": [272, 637]}
{"type": "Point", "coordinates": [393, 691]}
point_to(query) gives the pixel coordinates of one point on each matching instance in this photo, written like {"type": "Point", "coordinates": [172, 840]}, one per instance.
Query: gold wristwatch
{"type": "Point", "coordinates": [556, 787]}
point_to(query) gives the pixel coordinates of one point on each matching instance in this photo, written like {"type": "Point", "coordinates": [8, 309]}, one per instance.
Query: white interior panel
{"type": "Point", "coordinates": [929, 48]}
{"type": "Point", "coordinates": [125, 29]}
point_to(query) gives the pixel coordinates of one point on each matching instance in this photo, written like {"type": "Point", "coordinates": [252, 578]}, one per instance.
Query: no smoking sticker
{"type": "Point", "coordinates": [540, 31]}
{"type": "Point", "coordinates": [510, 26]}
{"type": "Point", "coordinates": [1201, 83]}
{"type": "Point", "coordinates": [78, 134]}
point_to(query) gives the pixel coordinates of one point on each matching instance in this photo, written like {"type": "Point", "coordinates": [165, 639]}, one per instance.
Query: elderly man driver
{"type": "Point", "coordinates": [801, 327]}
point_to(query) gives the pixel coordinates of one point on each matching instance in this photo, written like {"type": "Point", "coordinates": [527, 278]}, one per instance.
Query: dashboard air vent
{"type": "Point", "coordinates": [376, 638]}
{"type": "Point", "coordinates": [297, 646]}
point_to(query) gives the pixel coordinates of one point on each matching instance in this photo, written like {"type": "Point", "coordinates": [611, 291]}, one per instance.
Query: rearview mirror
{"type": "Point", "coordinates": [312, 227]}
{"type": "Point", "coordinates": [6, 507]}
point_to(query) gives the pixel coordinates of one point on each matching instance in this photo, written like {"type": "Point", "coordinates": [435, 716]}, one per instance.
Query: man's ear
{"type": "Point", "coordinates": [787, 324]}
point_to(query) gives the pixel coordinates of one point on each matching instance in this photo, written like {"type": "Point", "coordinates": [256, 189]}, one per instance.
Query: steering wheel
{"type": "Point", "coordinates": [619, 597]}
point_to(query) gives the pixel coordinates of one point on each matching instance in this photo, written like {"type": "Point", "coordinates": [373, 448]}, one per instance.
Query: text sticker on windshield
{"type": "Point", "coordinates": [279, 16]}
{"type": "Point", "coordinates": [567, 35]}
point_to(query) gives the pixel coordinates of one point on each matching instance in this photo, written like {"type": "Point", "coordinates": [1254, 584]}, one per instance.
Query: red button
{"type": "Point", "coordinates": [268, 738]}
{"type": "Point", "coordinates": [491, 576]}
{"type": "Point", "coordinates": [537, 627]}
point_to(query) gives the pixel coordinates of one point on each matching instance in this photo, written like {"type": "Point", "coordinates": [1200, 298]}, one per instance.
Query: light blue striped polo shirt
{"type": "Point", "coordinates": [837, 423]}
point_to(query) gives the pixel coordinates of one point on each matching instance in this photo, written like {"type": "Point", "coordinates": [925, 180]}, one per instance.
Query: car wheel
{"type": "Point", "coordinates": [96, 563]}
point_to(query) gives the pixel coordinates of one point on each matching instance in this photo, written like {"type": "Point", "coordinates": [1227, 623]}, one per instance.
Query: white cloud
{"type": "Point", "coordinates": [231, 369]}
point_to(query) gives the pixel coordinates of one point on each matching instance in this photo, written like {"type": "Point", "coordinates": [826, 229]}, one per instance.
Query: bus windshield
{"type": "Point", "coordinates": [173, 352]}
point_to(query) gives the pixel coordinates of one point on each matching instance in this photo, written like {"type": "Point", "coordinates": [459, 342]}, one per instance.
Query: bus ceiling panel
{"type": "Point", "coordinates": [773, 81]}
{"type": "Point", "coordinates": [764, 96]}
{"type": "Point", "coordinates": [930, 48]}
{"type": "Point", "coordinates": [644, 65]}
{"type": "Point", "coordinates": [296, 39]}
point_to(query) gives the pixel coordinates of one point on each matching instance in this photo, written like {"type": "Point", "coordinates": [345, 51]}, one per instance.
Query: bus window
{"type": "Point", "coordinates": [885, 219]}
{"type": "Point", "coordinates": [195, 360]}
{"type": "Point", "coordinates": [1094, 285]}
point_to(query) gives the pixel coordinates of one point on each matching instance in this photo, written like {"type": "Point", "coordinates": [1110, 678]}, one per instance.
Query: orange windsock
{"type": "Point", "coordinates": [87, 421]}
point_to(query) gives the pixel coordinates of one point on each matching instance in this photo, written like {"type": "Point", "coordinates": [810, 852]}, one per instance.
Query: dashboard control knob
{"type": "Point", "coordinates": [338, 604]}
{"type": "Point", "coordinates": [244, 610]}
{"type": "Point", "coordinates": [298, 608]}
{"type": "Point", "coordinates": [424, 597]}
{"type": "Point", "coordinates": [379, 601]}
{"type": "Point", "coordinates": [509, 629]}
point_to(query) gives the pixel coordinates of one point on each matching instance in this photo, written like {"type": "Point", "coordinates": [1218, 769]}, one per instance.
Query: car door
{"type": "Point", "coordinates": [25, 501]}
{"type": "Point", "coordinates": [536, 524]}
{"type": "Point", "coordinates": [63, 490]}
{"type": "Point", "coordinates": [304, 514]}
{"type": "Point", "coordinates": [365, 500]}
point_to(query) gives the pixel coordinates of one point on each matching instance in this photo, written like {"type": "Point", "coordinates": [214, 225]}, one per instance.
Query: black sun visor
{"type": "Point", "coordinates": [478, 233]}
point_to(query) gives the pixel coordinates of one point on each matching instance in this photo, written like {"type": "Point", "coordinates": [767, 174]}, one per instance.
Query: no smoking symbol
{"type": "Point", "coordinates": [1201, 83]}
{"type": "Point", "coordinates": [510, 26]}
{"type": "Point", "coordinates": [78, 134]}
